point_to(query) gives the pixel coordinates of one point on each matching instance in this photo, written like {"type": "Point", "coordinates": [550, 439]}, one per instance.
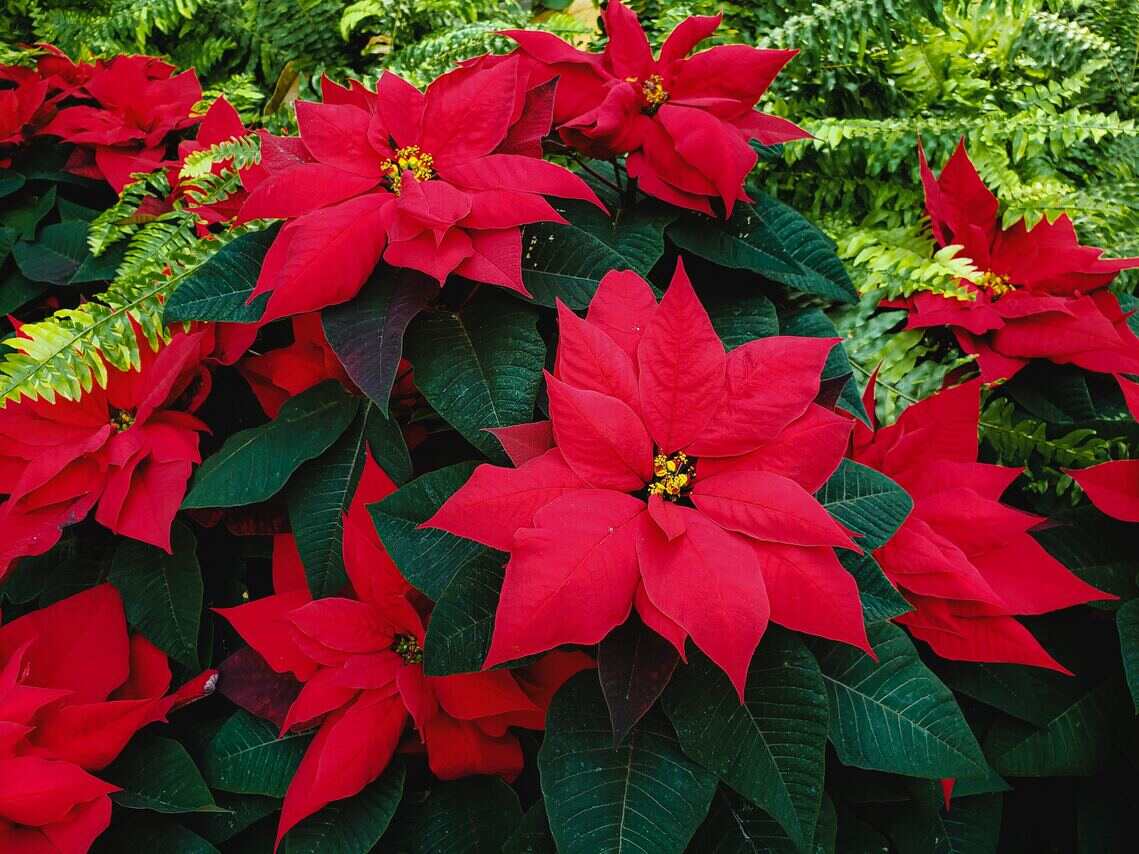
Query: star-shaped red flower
{"type": "Point", "coordinates": [680, 483]}
{"type": "Point", "coordinates": [964, 560]}
{"type": "Point", "coordinates": [1042, 295]}
{"type": "Point", "coordinates": [129, 448]}
{"type": "Point", "coordinates": [437, 181]}
{"type": "Point", "coordinates": [359, 657]}
{"type": "Point", "coordinates": [684, 121]}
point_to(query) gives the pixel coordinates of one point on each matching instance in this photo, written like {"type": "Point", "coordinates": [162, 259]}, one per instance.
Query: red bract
{"type": "Point", "coordinates": [22, 94]}
{"type": "Point", "coordinates": [221, 123]}
{"type": "Point", "coordinates": [684, 121]}
{"type": "Point", "coordinates": [425, 180]}
{"type": "Point", "coordinates": [1114, 487]}
{"type": "Point", "coordinates": [964, 560]}
{"type": "Point", "coordinates": [1042, 295]}
{"type": "Point", "coordinates": [680, 483]}
{"type": "Point", "coordinates": [279, 374]}
{"type": "Point", "coordinates": [74, 689]}
{"type": "Point", "coordinates": [129, 448]}
{"type": "Point", "coordinates": [359, 657]}
{"type": "Point", "coordinates": [131, 104]}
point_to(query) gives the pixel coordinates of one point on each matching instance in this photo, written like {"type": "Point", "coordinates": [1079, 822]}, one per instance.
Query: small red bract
{"type": "Point", "coordinates": [684, 121]}
{"type": "Point", "coordinates": [1042, 294]}
{"type": "Point", "coordinates": [360, 659]}
{"type": "Point", "coordinates": [1114, 487]}
{"type": "Point", "coordinates": [964, 560]}
{"type": "Point", "coordinates": [679, 483]}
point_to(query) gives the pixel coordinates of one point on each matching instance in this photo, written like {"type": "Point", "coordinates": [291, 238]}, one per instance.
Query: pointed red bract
{"type": "Point", "coordinates": [1043, 295]}
{"type": "Point", "coordinates": [687, 539]}
{"type": "Point", "coordinates": [966, 562]}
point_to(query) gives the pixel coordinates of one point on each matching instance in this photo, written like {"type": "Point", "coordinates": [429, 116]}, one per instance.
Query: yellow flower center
{"type": "Point", "coordinates": [996, 284]}
{"type": "Point", "coordinates": [122, 419]}
{"type": "Point", "coordinates": [672, 475]}
{"type": "Point", "coordinates": [653, 92]}
{"type": "Point", "coordinates": [408, 648]}
{"type": "Point", "coordinates": [411, 159]}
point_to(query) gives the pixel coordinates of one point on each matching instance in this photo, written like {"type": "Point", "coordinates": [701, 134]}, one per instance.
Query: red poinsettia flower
{"type": "Point", "coordinates": [425, 180]}
{"type": "Point", "coordinates": [129, 448]}
{"type": "Point", "coordinates": [74, 689]}
{"type": "Point", "coordinates": [359, 657]}
{"type": "Point", "coordinates": [1114, 487]}
{"type": "Point", "coordinates": [135, 102]}
{"type": "Point", "coordinates": [964, 561]}
{"type": "Point", "coordinates": [22, 94]}
{"type": "Point", "coordinates": [1042, 295]}
{"type": "Point", "coordinates": [684, 121]}
{"type": "Point", "coordinates": [680, 483]}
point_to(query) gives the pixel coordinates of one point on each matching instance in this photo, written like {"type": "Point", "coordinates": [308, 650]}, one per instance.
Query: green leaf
{"type": "Point", "coordinates": [367, 332]}
{"type": "Point", "coordinates": [880, 599]}
{"type": "Point", "coordinates": [737, 826]}
{"type": "Point", "coordinates": [141, 832]}
{"type": "Point", "coordinates": [739, 317]}
{"type": "Point", "coordinates": [245, 756]}
{"type": "Point", "coordinates": [16, 290]}
{"type": "Point", "coordinates": [319, 496]}
{"type": "Point", "coordinates": [1127, 623]}
{"type": "Point", "coordinates": [10, 182]}
{"type": "Point", "coordinates": [26, 218]}
{"type": "Point", "coordinates": [772, 748]}
{"type": "Point", "coordinates": [820, 270]}
{"type": "Point", "coordinates": [255, 464]}
{"type": "Point", "coordinates": [1032, 694]}
{"type": "Point", "coordinates": [642, 796]}
{"type": "Point", "coordinates": [218, 289]}
{"type": "Point", "coordinates": [99, 268]}
{"type": "Point", "coordinates": [532, 836]}
{"type": "Point", "coordinates": [354, 825]}
{"type": "Point", "coordinates": [1099, 551]}
{"type": "Point", "coordinates": [480, 368]}
{"type": "Point", "coordinates": [894, 715]}
{"type": "Point", "coordinates": [238, 812]}
{"type": "Point", "coordinates": [158, 774]}
{"type": "Point", "coordinates": [388, 446]}
{"type": "Point", "coordinates": [972, 825]}
{"type": "Point", "coordinates": [56, 255]}
{"type": "Point", "coordinates": [567, 262]}
{"type": "Point", "coordinates": [471, 816]}
{"type": "Point", "coordinates": [634, 665]}
{"type": "Point", "coordinates": [162, 593]}
{"type": "Point", "coordinates": [458, 637]}
{"type": "Point", "coordinates": [1078, 739]}
{"type": "Point", "coordinates": [866, 501]}
{"type": "Point", "coordinates": [742, 243]}
{"type": "Point", "coordinates": [428, 558]}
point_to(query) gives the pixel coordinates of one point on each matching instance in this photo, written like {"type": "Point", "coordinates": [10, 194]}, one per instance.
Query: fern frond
{"type": "Point", "coordinates": [898, 262]}
{"type": "Point", "coordinates": [123, 219]}
{"type": "Point", "coordinates": [68, 352]}
{"type": "Point", "coordinates": [237, 152]}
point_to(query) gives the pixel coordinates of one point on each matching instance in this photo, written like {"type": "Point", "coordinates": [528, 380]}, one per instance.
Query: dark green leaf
{"type": "Point", "coordinates": [634, 665]}
{"type": "Point", "coordinates": [737, 826]}
{"type": "Point", "coordinates": [1127, 623]}
{"type": "Point", "coordinates": [742, 243]}
{"type": "Point", "coordinates": [255, 464]}
{"type": "Point", "coordinates": [458, 637]}
{"type": "Point", "coordinates": [239, 812]}
{"type": "Point", "coordinates": [971, 825]}
{"type": "Point", "coordinates": [471, 816]}
{"type": "Point", "coordinates": [771, 749]}
{"type": "Point", "coordinates": [8, 238]}
{"type": "Point", "coordinates": [821, 271]}
{"type": "Point", "coordinates": [568, 261]}
{"type": "Point", "coordinates": [894, 715]}
{"type": "Point", "coordinates": [1078, 739]}
{"type": "Point", "coordinates": [532, 836]}
{"type": "Point", "coordinates": [17, 290]}
{"type": "Point", "coordinates": [388, 446]}
{"type": "Point", "coordinates": [367, 332]}
{"type": "Point", "coordinates": [428, 558]}
{"type": "Point", "coordinates": [10, 182]}
{"type": "Point", "coordinates": [1100, 551]}
{"type": "Point", "coordinates": [245, 756]}
{"type": "Point", "coordinates": [480, 368]}
{"type": "Point", "coordinates": [353, 825]}
{"type": "Point", "coordinates": [866, 501]}
{"type": "Point", "coordinates": [218, 289]}
{"type": "Point", "coordinates": [1032, 694]}
{"type": "Point", "coordinates": [138, 832]}
{"type": "Point", "coordinates": [739, 317]}
{"type": "Point", "coordinates": [644, 796]}
{"type": "Point", "coordinates": [158, 774]}
{"type": "Point", "coordinates": [162, 593]}
{"type": "Point", "coordinates": [99, 268]}
{"type": "Point", "coordinates": [26, 218]}
{"type": "Point", "coordinates": [55, 255]}
{"type": "Point", "coordinates": [318, 498]}
{"type": "Point", "coordinates": [880, 599]}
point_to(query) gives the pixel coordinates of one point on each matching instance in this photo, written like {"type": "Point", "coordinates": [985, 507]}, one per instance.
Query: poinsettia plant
{"type": "Point", "coordinates": [484, 461]}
